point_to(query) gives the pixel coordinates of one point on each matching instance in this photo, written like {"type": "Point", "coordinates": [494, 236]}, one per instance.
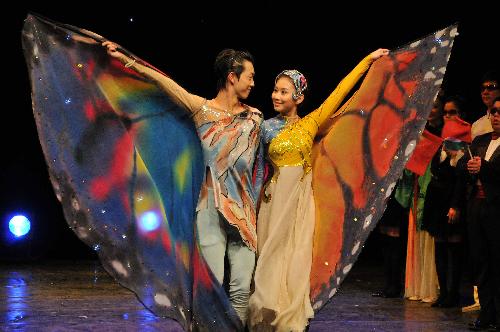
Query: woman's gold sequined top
{"type": "Point", "coordinates": [292, 145]}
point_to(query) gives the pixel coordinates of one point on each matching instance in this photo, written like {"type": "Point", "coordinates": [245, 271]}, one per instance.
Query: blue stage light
{"type": "Point", "coordinates": [19, 225]}
{"type": "Point", "coordinates": [149, 221]}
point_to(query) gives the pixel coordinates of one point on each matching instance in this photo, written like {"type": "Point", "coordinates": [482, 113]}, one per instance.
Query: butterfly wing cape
{"type": "Point", "coordinates": [359, 155]}
{"type": "Point", "coordinates": [127, 165]}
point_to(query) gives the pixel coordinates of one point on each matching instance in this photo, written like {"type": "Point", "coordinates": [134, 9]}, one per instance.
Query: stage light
{"type": "Point", "coordinates": [149, 221]}
{"type": "Point", "coordinates": [19, 225]}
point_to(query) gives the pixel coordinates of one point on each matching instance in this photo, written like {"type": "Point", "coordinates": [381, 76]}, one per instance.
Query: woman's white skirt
{"type": "Point", "coordinates": [285, 228]}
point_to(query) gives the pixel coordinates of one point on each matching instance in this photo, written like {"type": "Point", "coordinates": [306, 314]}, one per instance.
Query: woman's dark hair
{"type": "Point", "coordinates": [460, 103]}
{"type": "Point", "coordinates": [439, 104]}
{"type": "Point", "coordinates": [227, 61]}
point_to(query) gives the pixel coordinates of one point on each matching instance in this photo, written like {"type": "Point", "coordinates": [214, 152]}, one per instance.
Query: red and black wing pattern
{"type": "Point", "coordinates": [359, 155]}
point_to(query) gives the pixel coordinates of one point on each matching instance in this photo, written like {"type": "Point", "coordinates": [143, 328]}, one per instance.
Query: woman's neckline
{"type": "Point", "coordinates": [290, 119]}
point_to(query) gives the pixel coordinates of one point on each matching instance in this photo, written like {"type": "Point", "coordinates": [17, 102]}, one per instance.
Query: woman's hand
{"type": "Point", "coordinates": [379, 53]}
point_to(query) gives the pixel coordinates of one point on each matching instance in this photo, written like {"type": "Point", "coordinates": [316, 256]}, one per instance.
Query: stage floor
{"type": "Point", "coordinates": [80, 296]}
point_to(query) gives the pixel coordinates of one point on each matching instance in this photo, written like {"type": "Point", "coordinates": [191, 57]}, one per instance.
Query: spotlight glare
{"type": "Point", "coordinates": [19, 225]}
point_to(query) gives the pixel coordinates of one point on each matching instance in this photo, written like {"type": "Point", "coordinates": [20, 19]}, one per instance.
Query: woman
{"type": "Point", "coordinates": [286, 217]}
{"type": "Point", "coordinates": [443, 213]}
{"type": "Point", "coordinates": [421, 282]}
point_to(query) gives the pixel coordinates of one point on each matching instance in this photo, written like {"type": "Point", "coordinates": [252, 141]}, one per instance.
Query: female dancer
{"type": "Point", "coordinates": [286, 217]}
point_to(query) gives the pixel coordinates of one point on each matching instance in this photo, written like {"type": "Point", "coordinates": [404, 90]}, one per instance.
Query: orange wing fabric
{"type": "Point", "coordinates": [359, 155]}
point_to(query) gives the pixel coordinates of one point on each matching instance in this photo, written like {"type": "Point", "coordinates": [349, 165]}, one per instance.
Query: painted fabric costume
{"type": "Point", "coordinates": [230, 143]}
{"type": "Point", "coordinates": [357, 156]}
{"type": "Point", "coordinates": [127, 164]}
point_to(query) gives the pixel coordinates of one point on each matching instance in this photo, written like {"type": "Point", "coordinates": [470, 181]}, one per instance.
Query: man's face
{"type": "Point", "coordinates": [489, 91]}
{"type": "Point", "coordinates": [245, 83]}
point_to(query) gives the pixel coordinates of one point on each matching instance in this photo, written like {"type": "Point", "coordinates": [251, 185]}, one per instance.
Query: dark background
{"type": "Point", "coordinates": [316, 37]}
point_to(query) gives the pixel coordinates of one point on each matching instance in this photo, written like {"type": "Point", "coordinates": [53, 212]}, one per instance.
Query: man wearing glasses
{"type": "Point", "coordinates": [490, 90]}
{"type": "Point", "coordinates": [484, 219]}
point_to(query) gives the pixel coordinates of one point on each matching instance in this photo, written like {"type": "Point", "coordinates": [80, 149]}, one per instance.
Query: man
{"type": "Point", "coordinates": [230, 134]}
{"type": "Point", "coordinates": [484, 220]}
{"type": "Point", "coordinates": [489, 91]}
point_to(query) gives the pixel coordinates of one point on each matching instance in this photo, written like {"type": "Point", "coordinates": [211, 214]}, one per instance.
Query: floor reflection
{"type": "Point", "coordinates": [16, 294]}
{"type": "Point", "coordinates": [76, 296]}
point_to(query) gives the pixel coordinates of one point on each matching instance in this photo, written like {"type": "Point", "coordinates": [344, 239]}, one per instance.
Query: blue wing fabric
{"type": "Point", "coordinates": [126, 164]}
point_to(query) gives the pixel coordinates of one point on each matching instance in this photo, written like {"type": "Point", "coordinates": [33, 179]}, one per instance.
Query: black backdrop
{"type": "Point", "coordinates": [316, 37]}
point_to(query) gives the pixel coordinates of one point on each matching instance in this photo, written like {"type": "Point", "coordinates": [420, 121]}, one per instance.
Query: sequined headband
{"type": "Point", "coordinates": [299, 81]}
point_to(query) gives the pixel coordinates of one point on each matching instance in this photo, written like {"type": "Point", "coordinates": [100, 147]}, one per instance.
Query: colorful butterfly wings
{"type": "Point", "coordinates": [358, 161]}
{"type": "Point", "coordinates": [127, 165]}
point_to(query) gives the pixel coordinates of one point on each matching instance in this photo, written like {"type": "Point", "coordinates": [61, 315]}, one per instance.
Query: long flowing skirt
{"type": "Point", "coordinates": [285, 227]}
{"type": "Point", "coordinates": [421, 277]}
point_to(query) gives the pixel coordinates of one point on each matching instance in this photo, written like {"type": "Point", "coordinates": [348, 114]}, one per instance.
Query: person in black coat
{"type": "Point", "coordinates": [443, 213]}
{"type": "Point", "coordinates": [483, 220]}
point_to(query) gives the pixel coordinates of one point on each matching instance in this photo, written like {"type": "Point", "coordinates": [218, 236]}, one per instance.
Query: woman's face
{"type": "Point", "coordinates": [450, 110]}
{"type": "Point", "coordinates": [283, 101]}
